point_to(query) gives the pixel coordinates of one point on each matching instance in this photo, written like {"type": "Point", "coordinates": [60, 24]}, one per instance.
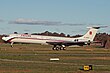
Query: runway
{"type": "Point", "coordinates": [46, 62]}
{"type": "Point", "coordinates": [42, 54]}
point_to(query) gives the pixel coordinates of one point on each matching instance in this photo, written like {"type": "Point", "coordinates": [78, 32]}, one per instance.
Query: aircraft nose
{"type": "Point", "coordinates": [4, 38]}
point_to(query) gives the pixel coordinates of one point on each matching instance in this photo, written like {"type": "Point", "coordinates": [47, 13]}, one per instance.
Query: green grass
{"type": "Point", "coordinates": [35, 58]}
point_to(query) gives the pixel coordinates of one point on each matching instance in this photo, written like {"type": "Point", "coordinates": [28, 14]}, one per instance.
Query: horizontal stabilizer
{"type": "Point", "coordinates": [97, 27]}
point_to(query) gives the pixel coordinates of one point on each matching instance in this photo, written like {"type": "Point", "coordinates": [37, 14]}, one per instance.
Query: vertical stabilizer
{"type": "Point", "coordinates": [91, 33]}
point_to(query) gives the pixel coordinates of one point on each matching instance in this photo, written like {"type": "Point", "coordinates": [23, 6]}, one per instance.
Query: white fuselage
{"type": "Point", "coordinates": [27, 38]}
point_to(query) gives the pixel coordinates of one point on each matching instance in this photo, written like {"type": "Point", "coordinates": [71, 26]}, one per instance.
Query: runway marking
{"type": "Point", "coordinates": [35, 61]}
{"type": "Point", "coordinates": [9, 60]}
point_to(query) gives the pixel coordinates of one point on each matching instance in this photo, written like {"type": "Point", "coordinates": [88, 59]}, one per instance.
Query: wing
{"type": "Point", "coordinates": [66, 43]}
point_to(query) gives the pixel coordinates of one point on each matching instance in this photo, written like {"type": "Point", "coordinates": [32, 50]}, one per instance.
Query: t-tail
{"type": "Point", "coordinates": [89, 36]}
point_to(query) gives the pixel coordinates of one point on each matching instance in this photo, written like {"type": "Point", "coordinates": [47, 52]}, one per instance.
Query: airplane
{"type": "Point", "coordinates": [59, 43]}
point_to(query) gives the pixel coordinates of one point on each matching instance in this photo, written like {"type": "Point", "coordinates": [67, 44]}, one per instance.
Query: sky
{"type": "Point", "coordinates": [67, 16]}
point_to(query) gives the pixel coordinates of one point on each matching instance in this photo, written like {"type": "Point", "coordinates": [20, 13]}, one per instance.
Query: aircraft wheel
{"type": "Point", "coordinates": [53, 48]}
{"type": "Point", "coordinates": [61, 48]}
{"type": "Point", "coordinates": [57, 48]}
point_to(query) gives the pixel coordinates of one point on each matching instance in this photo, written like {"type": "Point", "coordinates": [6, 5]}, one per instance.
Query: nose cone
{"type": "Point", "coordinates": [4, 38]}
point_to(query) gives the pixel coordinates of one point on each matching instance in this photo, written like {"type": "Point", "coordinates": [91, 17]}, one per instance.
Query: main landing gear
{"type": "Point", "coordinates": [57, 47]}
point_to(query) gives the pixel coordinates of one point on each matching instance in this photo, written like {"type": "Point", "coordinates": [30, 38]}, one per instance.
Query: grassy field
{"type": "Point", "coordinates": [35, 58]}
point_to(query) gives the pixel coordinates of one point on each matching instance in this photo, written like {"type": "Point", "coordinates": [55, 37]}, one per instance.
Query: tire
{"type": "Point", "coordinates": [57, 48]}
